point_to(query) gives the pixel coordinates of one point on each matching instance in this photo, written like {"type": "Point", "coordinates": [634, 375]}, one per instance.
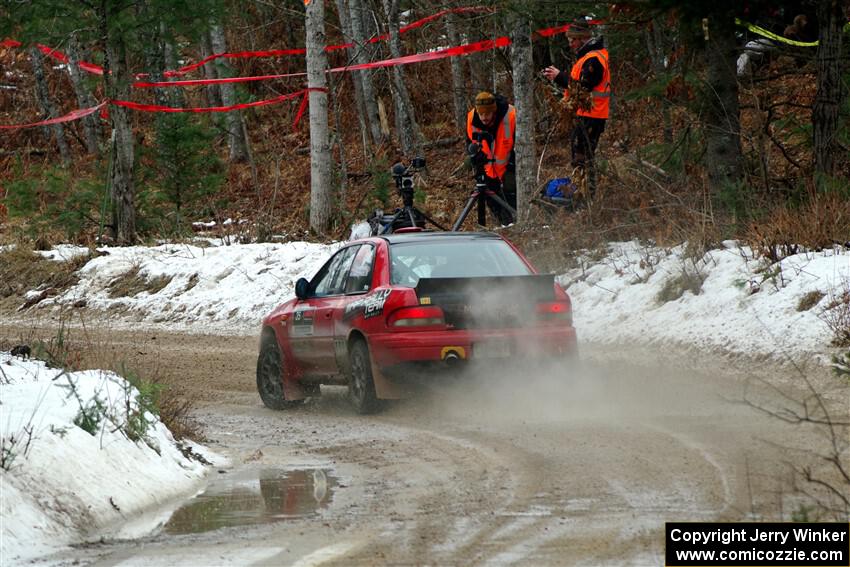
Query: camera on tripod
{"type": "Point", "coordinates": [488, 191]}
{"type": "Point", "coordinates": [477, 157]}
{"type": "Point", "coordinates": [403, 175]}
{"type": "Point", "coordinates": [408, 216]}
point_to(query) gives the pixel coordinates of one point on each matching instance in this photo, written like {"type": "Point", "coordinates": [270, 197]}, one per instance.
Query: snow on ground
{"type": "Point", "coordinates": [230, 287]}
{"type": "Point", "coordinates": [62, 484]}
{"type": "Point", "coordinates": [742, 306]}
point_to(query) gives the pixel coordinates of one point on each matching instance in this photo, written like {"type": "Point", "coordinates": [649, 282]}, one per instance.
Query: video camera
{"type": "Point", "coordinates": [407, 217]}
{"type": "Point", "coordinates": [403, 175]}
{"type": "Point", "coordinates": [477, 157]}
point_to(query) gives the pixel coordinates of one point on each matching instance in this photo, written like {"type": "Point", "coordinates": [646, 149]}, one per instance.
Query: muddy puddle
{"type": "Point", "coordinates": [255, 497]}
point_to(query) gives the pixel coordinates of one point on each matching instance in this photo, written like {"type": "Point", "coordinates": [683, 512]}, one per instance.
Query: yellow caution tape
{"type": "Point", "coordinates": [770, 35]}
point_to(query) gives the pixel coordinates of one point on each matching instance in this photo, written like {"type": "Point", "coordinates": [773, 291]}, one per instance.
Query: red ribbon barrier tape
{"type": "Point", "coordinates": [98, 70]}
{"type": "Point", "coordinates": [465, 49]}
{"type": "Point", "coordinates": [330, 48]}
{"type": "Point", "coordinates": [159, 108]}
{"type": "Point", "coordinates": [82, 113]}
{"type": "Point", "coordinates": [73, 115]}
{"type": "Point", "coordinates": [59, 56]}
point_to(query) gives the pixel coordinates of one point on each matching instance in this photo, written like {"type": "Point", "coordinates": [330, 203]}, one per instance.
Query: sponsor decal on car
{"type": "Point", "coordinates": [369, 306]}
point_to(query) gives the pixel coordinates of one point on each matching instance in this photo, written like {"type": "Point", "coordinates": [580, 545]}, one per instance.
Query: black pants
{"type": "Point", "coordinates": [584, 139]}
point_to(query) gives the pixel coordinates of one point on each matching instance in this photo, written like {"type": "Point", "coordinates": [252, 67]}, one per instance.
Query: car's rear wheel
{"type": "Point", "coordinates": [361, 386]}
{"type": "Point", "coordinates": [270, 375]}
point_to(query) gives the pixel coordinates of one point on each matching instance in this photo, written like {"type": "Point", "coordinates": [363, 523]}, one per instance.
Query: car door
{"type": "Point", "coordinates": [358, 284]}
{"type": "Point", "coordinates": [311, 331]}
{"type": "Point", "coordinates": [327, 298]}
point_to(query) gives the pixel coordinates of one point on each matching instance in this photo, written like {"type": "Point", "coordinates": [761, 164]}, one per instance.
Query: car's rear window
{"type": "Point", "coordinates": [453, 259]}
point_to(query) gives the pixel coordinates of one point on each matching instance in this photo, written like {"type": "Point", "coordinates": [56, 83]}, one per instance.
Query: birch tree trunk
{"type": "Point", "coordinates": [827, 106]}
{"type": "Point", "coordinates": [212, 91]}
{"type": "Point", "coordinates": [408, 130]}
{"type": "Point", "coordinates": [236, 138]}
{"type": "Point", "coordinates": [43, 95]}
{"type": "Point", "coordinates": [361, 55]}
{"type": "Point", "coordinates": [459, 98]}
{"type": "Point", "coordinates": [83, 95]}
{"type": "Point", "coordinates": [321, 193]}
{"type": "Point", "coordinates": [721, 115]}
{"type": "Point", "coordinates": [524, 146]}
{"type": "Point", "coordinates": [169, 54]}
{"type": "Point", "coordinates": [345, 24]}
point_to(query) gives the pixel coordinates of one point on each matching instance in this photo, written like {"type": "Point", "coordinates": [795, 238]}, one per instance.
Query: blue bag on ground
{"type": "Point", "coordinates": [561, 188]}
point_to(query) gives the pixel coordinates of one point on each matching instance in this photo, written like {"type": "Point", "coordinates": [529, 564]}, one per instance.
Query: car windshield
{"type": "Point", "coordinates": [453, 259]}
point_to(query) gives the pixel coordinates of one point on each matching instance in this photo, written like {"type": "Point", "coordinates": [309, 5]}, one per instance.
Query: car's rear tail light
{"type": "Point", "coordinates": [421, 316]}
{"type": "Point", "coordinates": [555, 311]}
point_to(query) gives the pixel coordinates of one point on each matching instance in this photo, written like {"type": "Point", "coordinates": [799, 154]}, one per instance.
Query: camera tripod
{"type": "Point", "coordinates": [408, 216]}
{"type": "Point", "coordinates": [480, 195]}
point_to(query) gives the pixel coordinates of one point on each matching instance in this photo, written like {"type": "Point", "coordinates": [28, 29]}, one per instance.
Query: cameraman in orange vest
{"type": "Point", "coordinates": [493, 116]}
{"type": "Point", "coordinates": [591, 73]}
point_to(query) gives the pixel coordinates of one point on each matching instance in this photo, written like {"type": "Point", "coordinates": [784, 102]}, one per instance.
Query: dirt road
{"type": "Point", "coordinates": [577, 467]}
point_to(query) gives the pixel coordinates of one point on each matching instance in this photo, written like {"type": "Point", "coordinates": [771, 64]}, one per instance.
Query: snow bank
{"type": "Point", "coordinates": [743, 305]}
{"type": "Point", "coordinates": [61, 484]}
{"type": "Point", "coordinates": [230, 287]}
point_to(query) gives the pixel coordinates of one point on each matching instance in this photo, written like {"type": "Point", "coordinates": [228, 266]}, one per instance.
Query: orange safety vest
{"type": "Point", "coordinates": [504, 143]}
{"type": "Point", "coordinates": [601, 93]}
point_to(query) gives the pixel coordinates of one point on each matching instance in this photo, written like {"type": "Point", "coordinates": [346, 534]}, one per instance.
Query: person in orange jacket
{"type": "Point", "coordinates": [493, 116]}
{"type": "Point", "coordinates": [592, 74]}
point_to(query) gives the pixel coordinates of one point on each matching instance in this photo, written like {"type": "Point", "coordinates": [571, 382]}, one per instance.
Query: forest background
{"type": "Point", "coordinates": [693, 151]}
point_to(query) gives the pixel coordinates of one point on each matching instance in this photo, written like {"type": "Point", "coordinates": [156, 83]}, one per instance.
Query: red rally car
{"type": "Point", "coordinates": [384, 308]}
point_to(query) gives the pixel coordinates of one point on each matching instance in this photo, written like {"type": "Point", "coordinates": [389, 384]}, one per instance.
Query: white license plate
{"type": "Point", "coordinates": [491, 349]}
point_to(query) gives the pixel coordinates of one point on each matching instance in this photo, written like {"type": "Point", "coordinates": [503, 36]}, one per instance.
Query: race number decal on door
{"type": "Point", "coordinates": [302, 323]}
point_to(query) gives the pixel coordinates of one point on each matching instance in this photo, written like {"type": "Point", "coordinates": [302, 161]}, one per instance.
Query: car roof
{"type": "Point", "coordinates": [421, 237]}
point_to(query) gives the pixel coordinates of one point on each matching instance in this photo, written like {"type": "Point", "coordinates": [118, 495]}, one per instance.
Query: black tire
{"type": "Point", "coordinates": [361, 386]}
{"type": "Point", "coordinates": [270, 376]}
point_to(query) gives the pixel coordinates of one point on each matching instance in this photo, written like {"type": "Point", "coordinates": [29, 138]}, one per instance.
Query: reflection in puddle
{"type": "Point", "coordinates": [254, 497]}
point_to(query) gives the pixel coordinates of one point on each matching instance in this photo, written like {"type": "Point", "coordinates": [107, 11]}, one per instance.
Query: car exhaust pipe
{"type": "Point", "coordinates": [452, 359]}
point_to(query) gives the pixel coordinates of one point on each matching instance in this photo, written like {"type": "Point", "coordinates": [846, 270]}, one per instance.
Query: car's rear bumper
{"type": "Point", "coordinates": [389, 349]}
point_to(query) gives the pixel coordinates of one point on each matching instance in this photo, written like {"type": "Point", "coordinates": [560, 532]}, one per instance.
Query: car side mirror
{"type": "Point", "coordinates": [302, 288]}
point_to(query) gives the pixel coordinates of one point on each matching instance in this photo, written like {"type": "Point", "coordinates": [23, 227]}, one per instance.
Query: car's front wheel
{"type": "Point", "coordinates": [270, 375]}
{"type": "Point", "coordinates": [361, 387]}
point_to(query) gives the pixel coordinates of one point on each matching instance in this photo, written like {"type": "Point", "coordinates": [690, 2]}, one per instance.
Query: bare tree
{"type": "Point", "coordinates": [83, 95]}
{"type": "Point", "coordinates": [409, 134]}
{"type": "Point", "coordinates": [655, 45]}
{"type": "Point", "coordinates": [237, 140]}
{"type": "Point", "coordinates": [321, 191]}
{"type": "Point", "coordinates": [458, 76]}
{"type": "Point", "coordinates": [43, 95]}
{"type": "Point", "coordinates": [356, 78]}
{"type": "Point", "coordinates": [122, 145]}
{"type": "Point", "coordinates": [829, 94]}
{"type": "Point", "coordinates": [361, 56]}
{"type": "Point", "coordinates": [721, 114]}
{"type": "Point", "coordinates": [524, 147]}
{"type": "Point", "coordinates": [212, 91]}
